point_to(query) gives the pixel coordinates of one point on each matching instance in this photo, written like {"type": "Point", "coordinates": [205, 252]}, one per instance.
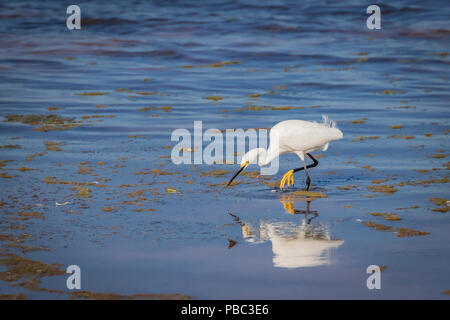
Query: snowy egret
{"type": "Point", "coordinates": [293, 136]}
{"type": "Point", "coordinates": [293, 245]}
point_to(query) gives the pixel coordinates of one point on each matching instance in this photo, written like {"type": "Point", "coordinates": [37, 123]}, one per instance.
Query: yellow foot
{"type": "Point", "coordinates": [288, 204]}
{"type": "Point", "coordinates": [289, 178]}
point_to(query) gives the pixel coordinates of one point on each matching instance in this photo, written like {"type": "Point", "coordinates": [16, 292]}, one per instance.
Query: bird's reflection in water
{"type": "Point", "coordinates": [307, 244]}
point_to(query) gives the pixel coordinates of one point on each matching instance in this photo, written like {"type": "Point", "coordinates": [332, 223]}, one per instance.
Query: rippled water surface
{"type": "Point", "coordinates": [94, 186]}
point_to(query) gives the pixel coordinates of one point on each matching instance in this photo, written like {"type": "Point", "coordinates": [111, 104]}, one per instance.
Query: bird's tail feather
{"type": "Point", "coordinates": [328, 123]}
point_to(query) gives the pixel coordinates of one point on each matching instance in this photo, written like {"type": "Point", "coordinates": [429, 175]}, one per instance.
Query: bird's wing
{"type": "Point", "coordinates": [299, 135]}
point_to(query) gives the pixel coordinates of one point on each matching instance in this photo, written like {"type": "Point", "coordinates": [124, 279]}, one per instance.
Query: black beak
{"type": "Point", "coordinates": [236, 174]}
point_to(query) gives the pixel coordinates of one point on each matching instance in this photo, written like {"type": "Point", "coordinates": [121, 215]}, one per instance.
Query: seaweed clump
{"type": "Point", "coordinates": [115, 296]}
{"type": "Point", "coordinates": [26, 272]}
{"type": "Point", "coordinates": [45, 122]}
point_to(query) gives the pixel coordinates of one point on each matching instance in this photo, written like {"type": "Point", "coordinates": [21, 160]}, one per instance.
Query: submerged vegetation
{"type": "Point", "coordinates": [43, 122]}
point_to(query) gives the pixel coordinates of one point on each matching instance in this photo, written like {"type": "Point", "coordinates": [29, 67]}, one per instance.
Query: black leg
{"type": "Point", "coordinates": [312, 165]}
{"type": "Point", "coordinates": [308, 181]}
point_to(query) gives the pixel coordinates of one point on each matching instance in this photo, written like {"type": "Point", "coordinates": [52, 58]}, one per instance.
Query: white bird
{"type": "Point", "coordinates": [293, 245]}
{"type": "Point", "coordinates": [293, 136]}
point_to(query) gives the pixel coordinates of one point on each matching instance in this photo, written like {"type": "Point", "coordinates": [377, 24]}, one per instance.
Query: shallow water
{"type": "Point", "coordinates": [317, 58]}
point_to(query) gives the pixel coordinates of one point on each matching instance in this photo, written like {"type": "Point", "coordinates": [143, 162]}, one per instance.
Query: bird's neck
{"type": "Point", "coordinates": [267, 156]}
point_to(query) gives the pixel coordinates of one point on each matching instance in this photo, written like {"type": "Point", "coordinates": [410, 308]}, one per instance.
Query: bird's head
{"type": "Point", "coordinates": [253, 156]}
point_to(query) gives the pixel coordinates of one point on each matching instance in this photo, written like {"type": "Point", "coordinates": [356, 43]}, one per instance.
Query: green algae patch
{"type": "Point", "coordinates": [84, 170]}
{"type": "Point", "coordinates": [214, 98]}
{"type": "Point", "coordinates": [166, 108]}
{"type": "Point", "coordinates": [33, 119]}
{"type": "Point", "coordinates": [437, 156]}
{"type": "Point", "coordinates": [254, 108]}
{"type": "Point", "coordinates": [26, 272]}
{"type": "Point", "coordinates": [402, 232]}
{"type": "Point", "coordinates": [115, 296]}
{"type": "Point", "coordinates": [308, 194]}
{"type": "Point", "coordinates": [443, 210]}
{"type": "Point", "coordinates": [135, 194]}
{"type": "Point", "coordinates": [223, 64]}
{"type": "Point", "coordinates": [4, 163]}
{"type": "Point", "coordinates": [5, 175]}
{"type": "Point", "coordinates": [14, 243]}
{"type": "Point", "coordinates": [378, 181]}
{"type": "Point", "coordinates": [387, 216]}
{"type": "Point", "coordinates": [366, 138]}
{"type": "Point", "coordinates": [386, 189]}
{"type": "Point", "coordinates": [271, 185]}
{"type": "Point", "coordinates": [393, 92]}
{"type": "Point", "coordinates": [92, 94]}
{"type": "Point", "coordinates": [377, 226]}
{"type": "Point", "coordinates": [32, 156]}
{"type": "Point", "coordinates": [53, 146]}
{"type": "Point", "coordinates": [54, 180]}
{"type": "Point", "coordinates": [444, 179]}
{"type": "Point", "coordinates": [30, 215]}
{"type": "Point", "coordinates": [251, 174]}
{"type": "Point", "coordinates": [145, 93]}
{"type": "Point", "coordinates": [83, 192]}
{"type": "Point", "coordinates": [368, 168]}
{"type": "Point", "coordinates": [348, 187]}
{"type": "Point", "coordinates": [172, 190]}
{"type": "Point", "coordinates": [11, 146]}
{"type": "Point", "coordinates": [361, 121]}
{"type": "Point", "coordinates": [97, 116]}
{"type": "Point", "coordinates": [123, 90]}
{"type": "Point", "coordinates": [127, 185]}
{"type": "Point", "coordinates": [107, 209]}
{"type": "Point", "coordinates": [214, 173]}
{"type": "Point", "coordinates": [144, 210]}
{"type": "Point", "coordinates": [6, 237]}
{"type": "Point", "coordinates": [413, 207]}
{"type": "Point", "coordinates": [225, 183]}
{"type": "Point", "coordinates": [156, 172]}
{"type": "Point", "coordinates": [407, 232]}
{"type": "Point", "coordinates": [281, 108]}
{"type": "Point", "coordinates": [396, 136]}
{"type": "Point", "coordinates": [19, 296]}
{"type": "Point", "coordinates": [46, 122]}
{"type": "Point", "coordinates": [24, 169]}
{"type": "Point", "coordinates": [441, 202]}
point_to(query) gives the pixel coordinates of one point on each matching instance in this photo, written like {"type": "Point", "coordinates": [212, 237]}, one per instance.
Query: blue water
{"type": "Point", "coordinates": [317, 57]}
